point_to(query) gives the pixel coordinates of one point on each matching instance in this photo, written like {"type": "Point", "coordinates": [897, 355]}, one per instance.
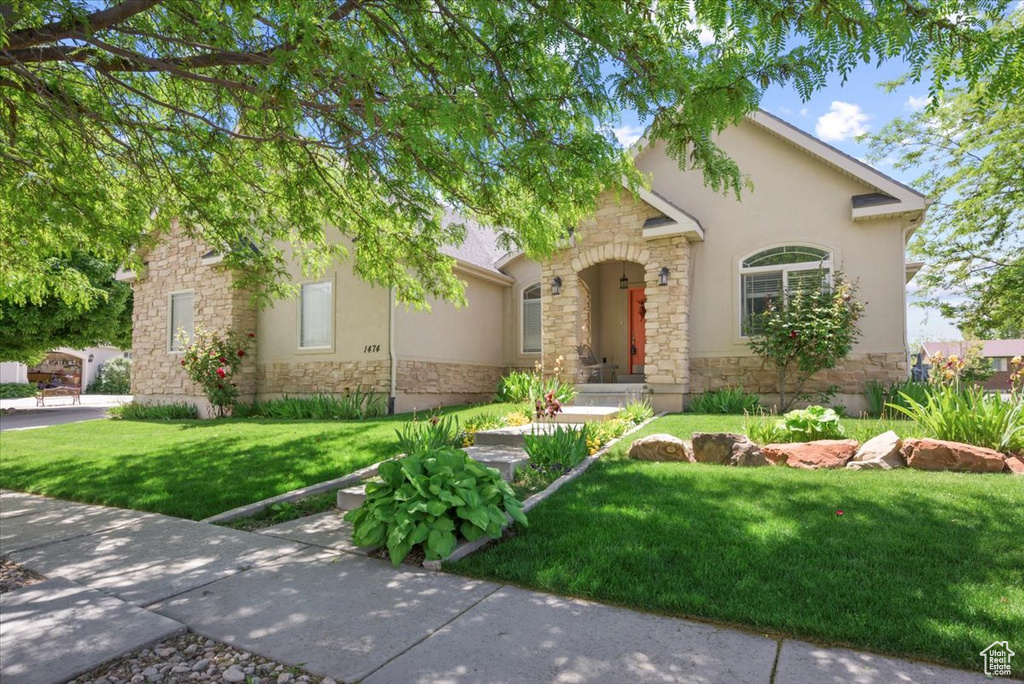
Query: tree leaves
{"type": "Point", "coordinates": [272, 120]}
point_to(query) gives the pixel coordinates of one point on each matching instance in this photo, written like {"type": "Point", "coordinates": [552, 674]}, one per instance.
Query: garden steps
{"type": "Point", "coordinates": [610, 393]}
{"type": "Point", "coordinates": [504, 459]}
{"type": "Point", "coordinates": [586, 414]}
{"type": "Point", "coordinates": [515, 436]}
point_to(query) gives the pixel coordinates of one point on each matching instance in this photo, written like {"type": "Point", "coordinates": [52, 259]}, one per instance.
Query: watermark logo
{"type": "Point", "coordinates": [997, 659]}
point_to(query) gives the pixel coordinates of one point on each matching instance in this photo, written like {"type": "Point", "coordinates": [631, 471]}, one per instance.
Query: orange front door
{"type": "Point", "coordinates": [637, 329]}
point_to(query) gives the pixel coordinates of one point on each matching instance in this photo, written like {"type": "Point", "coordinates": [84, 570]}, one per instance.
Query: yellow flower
{"type": "Point", "coordinates": [1016, 359]}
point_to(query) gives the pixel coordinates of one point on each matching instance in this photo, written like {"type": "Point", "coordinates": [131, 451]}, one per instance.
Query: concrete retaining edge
{"type": "Point", "coordinates": [254, 508]}
{"type": "Point", "coordinates": [465, 548]}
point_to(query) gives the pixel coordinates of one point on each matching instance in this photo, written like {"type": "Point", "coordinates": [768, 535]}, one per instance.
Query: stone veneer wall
{"type": "Point", "coordinates": [175, 264]}
{"type": "Point", "coordinates": [750, 373]}
{"type": "Point", "coordinates": [332, 377]}
{"type": "Point", "coordinates": [433, 377]}
{"type": "Point", "coordinates": [615, 233]}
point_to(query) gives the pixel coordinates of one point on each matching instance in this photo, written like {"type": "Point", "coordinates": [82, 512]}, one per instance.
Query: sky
{"type": "Point", "coordinates": [837, 114]}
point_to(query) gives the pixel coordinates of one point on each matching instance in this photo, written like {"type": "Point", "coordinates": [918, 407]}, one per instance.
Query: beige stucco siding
{"type": "Point", "coordinates": [796, 199]}
{"type": "Point", "coordinates": [526, 272]}
{"type": "Point", "coordinates": [359, 354]}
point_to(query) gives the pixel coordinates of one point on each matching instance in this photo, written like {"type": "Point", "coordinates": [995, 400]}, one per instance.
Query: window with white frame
{"type": "Point", "coordinates": [316, 315]}
{"type": "Point", "coordinates": [531, 319]}
{"type": "Point", "coordinates": [181, 320]}
{"type": "Point", "coordinates": [765, 276]}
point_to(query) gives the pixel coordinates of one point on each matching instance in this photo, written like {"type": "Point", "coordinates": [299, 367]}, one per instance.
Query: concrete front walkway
{"type": "Point", "coordinates": [120, 580]}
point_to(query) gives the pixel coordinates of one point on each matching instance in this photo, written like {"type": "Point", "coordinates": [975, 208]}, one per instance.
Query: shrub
{"type": "Point", "coordinates": [522, 386]}
{"type": "Point", "coordinates": [764, 429]}
{"type": "Point", "coordinates": [807, 330]}
{"type": "Point", "coordinates": [636, 412]}
{"type": "Point", "coordinates": [806, 425]}
{"type": "Point", "coordinates": [173, 411]}
{"type": "Point", "coordinates": [483, 421]}
{"type": "Point", "coordinates": [115, 377]}
{"type": "Point", "coordinates": [520, 416]}
{"type": "Point", "coordinates": [599, 434]}
{"type": "Point", "coordinates": [730, 400]}
{"type": "Point", "coordinates": [429, 435]}
{"type": "Point", "coordinates": [211, 362]}
{"type": "Point", "coordinates": [353, 405]}
{"type": "Point", "coordinates": [969, 416]}
{"type": "Point", "coordinates": [879, 396]}
{"type": "Point", "coordinates": [563, 448]}
{"type": "Point", "coordinates": [431, 499]}
{"type": "Point", "coordinates": [17, 390]}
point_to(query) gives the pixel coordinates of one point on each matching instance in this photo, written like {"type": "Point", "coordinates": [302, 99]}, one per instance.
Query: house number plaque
{"type": "Point", "coordinates": [371, 348]}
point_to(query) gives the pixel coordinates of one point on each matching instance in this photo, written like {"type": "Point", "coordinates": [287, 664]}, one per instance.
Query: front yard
{"type": "Point", "coordinates": [912, 563]}
{"type": "Point", "coordinates": [192, 469]}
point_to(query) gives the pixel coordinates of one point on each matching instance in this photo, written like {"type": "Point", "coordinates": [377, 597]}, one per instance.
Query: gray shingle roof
{"type": "Point", "coordinates": [480, 247]}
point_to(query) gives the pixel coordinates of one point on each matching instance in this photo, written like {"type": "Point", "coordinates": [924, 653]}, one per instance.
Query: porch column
{"type": "Point", "coordinates": [559, 319]}
{"type": "Point", "coordinates": [668, 317]}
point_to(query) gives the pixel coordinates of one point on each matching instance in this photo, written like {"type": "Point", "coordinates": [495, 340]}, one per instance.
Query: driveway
{"type": "Point", "coordinates": [23, 414]}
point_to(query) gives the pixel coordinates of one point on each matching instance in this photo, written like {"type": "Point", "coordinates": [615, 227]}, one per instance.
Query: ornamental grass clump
{"type": "Point", "coordinates": [213, 362]}
{"type": "Point", "coordinates": [562, 449]}
{"type": "Point", "coordinates": [432, 499]}
{"type": "Point", "coordinates": [970, 416]}
{"type": "Point", "coordinates": [729, 400]}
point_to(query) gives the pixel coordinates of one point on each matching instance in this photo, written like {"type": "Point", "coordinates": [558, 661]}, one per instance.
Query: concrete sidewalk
{"type": "Point", "coordinates": [118, 578]}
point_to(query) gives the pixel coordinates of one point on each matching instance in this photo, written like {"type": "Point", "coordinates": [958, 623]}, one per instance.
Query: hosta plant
{"type": "Point", "coordinates": [432, 499]}
{"type": "Point", "coordinates": [811, 423]}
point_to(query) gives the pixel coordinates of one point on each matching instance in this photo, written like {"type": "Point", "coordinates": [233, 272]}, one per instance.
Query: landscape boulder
{"type": "Point", "coordinates": [882, 452]}
{"type": "Point", "coordinates": [726, 448]}
{"type": "Point", "coordinates": [1015, 464]}
{"type": "Point", "coordinates": [660, 448]}
{"type": "Point", "coordinates": [823, 453]}
{"type": "Point", "coordinates": [934, 454]}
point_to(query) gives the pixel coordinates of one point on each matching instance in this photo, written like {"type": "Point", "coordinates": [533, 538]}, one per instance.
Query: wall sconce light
{"type": "Point", "coordinates": [663, 276]}
{"type": "Point", "coordinates": [90, 358]}
{"type": "Point", "coordinates": [556, 285]}
{"type": "Point", "coordinates": [623, 281]}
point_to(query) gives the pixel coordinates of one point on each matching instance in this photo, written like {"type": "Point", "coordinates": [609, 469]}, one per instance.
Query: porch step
{"type": "Point", "coordinates": [635, 378]}
{"type": "Point", "coordinates": [587, 414]}
{"type": "Point", "coordinates": [515, 436]}
{"type": "Point", "coordinates": [610, 394]}
{"type": "Point", "coordinates": [505, 459]}
{"type": "Point", "coordinates": [351, 498]}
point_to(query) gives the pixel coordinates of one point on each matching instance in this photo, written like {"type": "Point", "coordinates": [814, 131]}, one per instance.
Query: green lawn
{"type": "Point", "coordinates": [928, 565]}
{"type": "Point", "coordinates": [192, 469]}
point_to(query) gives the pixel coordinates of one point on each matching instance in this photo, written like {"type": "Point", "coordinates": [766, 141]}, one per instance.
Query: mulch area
{"type": "Point", "coordinates": [14, 576]}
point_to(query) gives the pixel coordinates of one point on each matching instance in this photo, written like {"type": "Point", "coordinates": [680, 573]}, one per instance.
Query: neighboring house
{"type": "Point", "coordinates": [657, 284]}
{"type": "Point", "coordinates": [998, 353]}
{"type": "Point", "coordinates": [78, 367]}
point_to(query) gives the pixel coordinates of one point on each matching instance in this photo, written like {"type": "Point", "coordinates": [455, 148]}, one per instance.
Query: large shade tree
{"type": "Point", "coordinates": [265, 121]}
{"type": "Point", "coordinates": [968, 146]}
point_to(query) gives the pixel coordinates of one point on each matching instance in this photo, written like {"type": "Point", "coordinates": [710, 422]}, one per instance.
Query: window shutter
{"type": "Point", "coordinates": [316, 315]}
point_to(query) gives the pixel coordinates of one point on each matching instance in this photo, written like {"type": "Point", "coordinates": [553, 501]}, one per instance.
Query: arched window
{"type": "Point", "coordinates": [531, 320]}
{"type": "Point", "coordinates": [768, 274]}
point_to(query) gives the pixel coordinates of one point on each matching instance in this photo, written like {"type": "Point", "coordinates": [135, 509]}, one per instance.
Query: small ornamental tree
{"type": "Point", "coordinates": [212, 362]}
{"type": "Point", "coordinates": [806, 331]}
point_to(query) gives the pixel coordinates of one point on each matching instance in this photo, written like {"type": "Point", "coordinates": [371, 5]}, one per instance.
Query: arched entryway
{"type": "Point", "coordinates": [613, 311]}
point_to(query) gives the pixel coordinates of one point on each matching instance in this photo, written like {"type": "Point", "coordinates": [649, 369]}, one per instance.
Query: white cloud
{"type": "Point", "coordinates": [917, 103]}
{"type": "Point", "coordinates": [627, 135]}
{"type": "Point", "coordinates": [803, 110]}
{"type": "Point", "coordinates": [844, 120]}
{"type": "Point", "coordinates": [785, 111]}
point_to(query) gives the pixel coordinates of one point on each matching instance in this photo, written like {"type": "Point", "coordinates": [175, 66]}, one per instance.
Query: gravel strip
{"type": "Point", "coordinates": [14, 576]}
{"type": "Point", "coordinates": [193, 658]}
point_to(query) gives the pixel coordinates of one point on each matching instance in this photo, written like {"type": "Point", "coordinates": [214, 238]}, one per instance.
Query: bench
{"type": "Point", "coordinates": [74, 392]}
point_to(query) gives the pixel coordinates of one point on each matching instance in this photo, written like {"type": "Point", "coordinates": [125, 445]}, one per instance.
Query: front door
{"type": "Point", "coordinates": [637, 329]}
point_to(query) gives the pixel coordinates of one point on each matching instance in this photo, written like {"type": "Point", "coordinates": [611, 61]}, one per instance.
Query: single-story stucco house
{"type": "Point", "coordinates": [657, 284]}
